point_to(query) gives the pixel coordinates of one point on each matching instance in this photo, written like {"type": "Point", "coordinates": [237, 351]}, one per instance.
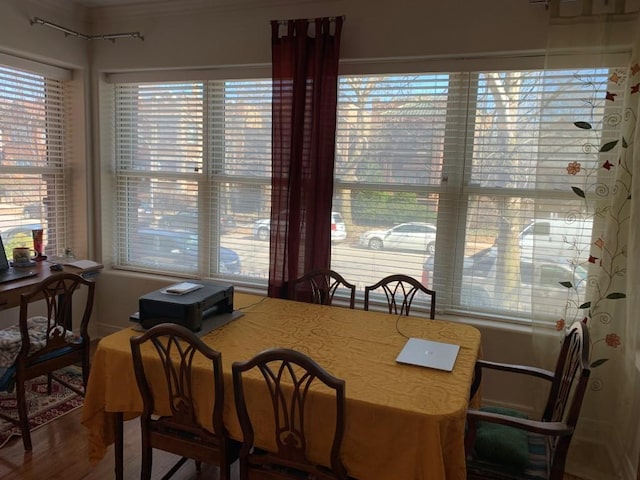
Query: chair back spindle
{"type": "Point", "coordinates": [400, 292]}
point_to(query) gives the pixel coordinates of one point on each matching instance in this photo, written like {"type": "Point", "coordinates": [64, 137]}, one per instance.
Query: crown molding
{"type": "Point", "coordinates": [175, 7]}
{"type": "Point", "coordinates": [69, 8]}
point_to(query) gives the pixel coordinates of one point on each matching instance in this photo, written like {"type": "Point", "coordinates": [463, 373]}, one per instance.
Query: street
{"type": "Point", "coordinates": [357, 265]}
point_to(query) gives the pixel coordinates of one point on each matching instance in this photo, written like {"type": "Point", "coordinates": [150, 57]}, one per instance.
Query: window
{"type": "Point", "coordinates": [458, 179]}
{"type": "Point", "coordinates": [482, 157]}
{"type": "Point", "coordinates": [193, 176]}
{"type": "Point", "coordinates": [33, 148]}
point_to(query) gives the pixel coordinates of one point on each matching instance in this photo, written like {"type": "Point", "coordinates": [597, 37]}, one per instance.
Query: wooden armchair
{"type": "Point", "coordinates": [172, 350]}
{"type": "Point", "coordinates": [503, 443]}
{"type": "Point", "coordinates": [319, 286]}
{"type": "Point", "coordinates": [400, 291]}
{"type": "Point", "coordinates": [40, 345]}
{"type": "Point", "coordinates": [290, 376]}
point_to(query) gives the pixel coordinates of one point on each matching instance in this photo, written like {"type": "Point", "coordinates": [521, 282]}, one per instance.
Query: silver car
{"type": "Point", "coordinates": [406, 236]}
{"type": "Point", "coordinates": [262, 228]}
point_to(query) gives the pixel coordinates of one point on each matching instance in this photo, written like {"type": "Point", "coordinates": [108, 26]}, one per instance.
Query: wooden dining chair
{"type": "Point", "coordinates": [504, 443]}
{"type": "Point", "coordinates": [319, 286]}
{"type": "Point", "coordinates": [400, 291]}
{"type": "Point", "coordinates": [291, 378]}
{"type": "Point", "coordinates": [42, 344]}
{"type": "Point", "coordinates": [178, 430]}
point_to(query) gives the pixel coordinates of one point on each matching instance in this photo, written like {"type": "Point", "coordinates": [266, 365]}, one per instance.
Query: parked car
{"type": "Point", "coordinates": [34, 210]}
{"type": "Point", "coordinates": [406, 236]}
{"type": "Point", "coordinates": [262, 228]}
{"type": "Point", "coordinates": [555, 237]}
{"type": "Point", "coordinates": [188, 220]}
{"type": "Point", "coordinates": [539, 280]}
{"type": "Point", "coordinates": [179, 248]}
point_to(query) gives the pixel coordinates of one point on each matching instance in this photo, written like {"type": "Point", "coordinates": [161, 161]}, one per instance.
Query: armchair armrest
{"type": "Point", "coordinates": [533, 426]}
{"type": "Point", "coordinates": [506, 367]}
{"type": "Point", "coordinates": [556, 429]}
{"type": "Point", "coordinates": [523, 369]}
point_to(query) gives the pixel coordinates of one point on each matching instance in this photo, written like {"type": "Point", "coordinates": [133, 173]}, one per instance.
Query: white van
{"type": "Point", "coordinates": [556, 237]}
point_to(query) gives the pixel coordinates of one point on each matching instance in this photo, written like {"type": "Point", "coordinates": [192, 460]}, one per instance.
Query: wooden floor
{"type": "Point", "coordinates": [60, 452]}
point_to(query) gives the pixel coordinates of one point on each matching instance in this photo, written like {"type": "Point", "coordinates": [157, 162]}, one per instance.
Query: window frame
{"type": "Point", "coordinates": [455, 190]}
{"type": "Point", "coordinates": [48, 163]}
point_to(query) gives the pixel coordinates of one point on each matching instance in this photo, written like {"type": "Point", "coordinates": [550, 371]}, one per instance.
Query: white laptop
{"type": "Point", "coordinates": [427, 353]}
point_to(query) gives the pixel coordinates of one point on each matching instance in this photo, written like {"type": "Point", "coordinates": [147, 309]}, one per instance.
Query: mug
{"type": "Point", "coordinates": [22, 255]}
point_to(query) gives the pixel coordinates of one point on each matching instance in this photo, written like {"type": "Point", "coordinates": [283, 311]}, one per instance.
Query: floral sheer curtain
{"type": "Point", "coordinates": [606, 191]}
{"type": "Point", "coordinates": [305, 86]}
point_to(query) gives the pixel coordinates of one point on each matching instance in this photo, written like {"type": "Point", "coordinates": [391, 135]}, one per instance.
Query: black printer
{"type": "Point", "coordinates": [186, 304]}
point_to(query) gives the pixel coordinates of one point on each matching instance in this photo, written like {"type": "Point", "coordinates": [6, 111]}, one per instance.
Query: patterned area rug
{"type": "Point", "coordinates": [42, 407]}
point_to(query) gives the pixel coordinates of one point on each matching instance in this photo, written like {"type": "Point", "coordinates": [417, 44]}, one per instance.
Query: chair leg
{"type": "Point", "coordinates": [225, 470]}
{"type": "Point", "coordinates": [86, 368]}
{"type": "Point", "coordinates": [49, 381]}
{"type": "Point", "coordinates": [147, 458]}
{"type": "Point", "coordinates": [244, 474]}
{"type": "Point", "coordinates": [23, 415]}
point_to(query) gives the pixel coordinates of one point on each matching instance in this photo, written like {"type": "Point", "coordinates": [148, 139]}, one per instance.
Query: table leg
{"type": "Point", "coordinates": [118, 450]}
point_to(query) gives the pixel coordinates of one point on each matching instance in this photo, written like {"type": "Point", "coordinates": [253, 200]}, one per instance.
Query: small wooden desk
{"type": "Point", "coordinates": [402, 422]}
{"type": "Point", "coordinates": [10, 291]}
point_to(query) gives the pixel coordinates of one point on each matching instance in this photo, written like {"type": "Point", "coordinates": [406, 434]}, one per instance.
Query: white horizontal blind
{"type": "Point", "coordinates": [240, 122]}
{"type": "Point", "coordinates": [393, 135]}
{"type": "Point", "coordinates": [480, 157]}
{"type": "Point", "coordinates": [438, 176]}
{"type": "Point", "coordinates": [159, 152]}
{"type": "Point", "coordinates": [32, 159]}
{"type": "Point", "coordinates": [193, 175]}
{"type": "Point", "coordinates": [530, 206]}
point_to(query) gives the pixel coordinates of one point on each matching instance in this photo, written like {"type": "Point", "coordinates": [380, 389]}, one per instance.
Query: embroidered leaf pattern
{"type": "Point", "coordinates": [607, 147]}
{"type": "Point", "coordinates": [583, 125]}
{"type": "Point", "coordinates": [578, 191]}
{"type": "Point", "coordinates": [615, 296]}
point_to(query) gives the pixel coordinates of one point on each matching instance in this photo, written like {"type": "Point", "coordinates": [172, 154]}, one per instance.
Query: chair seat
{"type": "Point", "coordinates": [536, 468]}
{"type": "Point", "coordinates": [11, 342]}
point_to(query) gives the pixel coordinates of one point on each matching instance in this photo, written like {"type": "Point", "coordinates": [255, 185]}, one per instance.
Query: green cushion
{"type": "Point", "coordinates": [502, 444]}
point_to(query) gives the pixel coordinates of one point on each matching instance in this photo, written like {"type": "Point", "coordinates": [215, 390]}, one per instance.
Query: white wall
{"type": "Point", "coordinates": [373, 29]}
{"type": "Point", "coordinates": [35, 42]}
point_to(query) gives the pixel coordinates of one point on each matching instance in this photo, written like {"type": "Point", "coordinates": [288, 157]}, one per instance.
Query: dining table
{"type": "Point", "coordinates": [401, 421]}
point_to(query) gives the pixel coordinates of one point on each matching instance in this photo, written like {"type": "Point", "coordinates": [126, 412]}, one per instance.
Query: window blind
{"type": "Point", "coordinates": [467, 181]}
{"type": "Point", "coordinates": [392, 135]}
{"type": "Point", "coordinates": [480, 184]}
{"type": "Point", "coordinates": [32, 159]}
{"type": "Point", "coordinates": [193, 176]}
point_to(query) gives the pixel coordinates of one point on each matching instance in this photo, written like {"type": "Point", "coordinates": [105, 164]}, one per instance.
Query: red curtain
{"type": "Point", "coordinates": [305, 86]}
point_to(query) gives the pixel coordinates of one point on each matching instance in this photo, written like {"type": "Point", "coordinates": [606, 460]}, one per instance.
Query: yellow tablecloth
{"type": "Point", "coordinates": [402, 422]}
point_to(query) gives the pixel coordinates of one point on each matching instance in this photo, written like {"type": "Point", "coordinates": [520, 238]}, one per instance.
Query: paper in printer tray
{"type": "Point", "coordinates": [188, 309]}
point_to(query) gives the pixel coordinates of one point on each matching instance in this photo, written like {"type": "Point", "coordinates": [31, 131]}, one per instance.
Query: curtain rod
{"type": "Point", "coordinates": [331, 19]}
{"type": "Point", "coordinates": [111, 36]}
